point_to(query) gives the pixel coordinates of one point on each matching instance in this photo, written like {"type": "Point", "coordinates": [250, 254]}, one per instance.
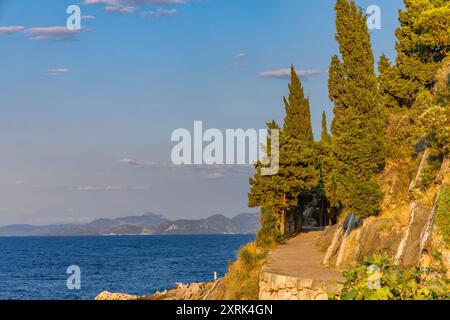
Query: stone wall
{"type": "Point", "coordinates": [280, 287]}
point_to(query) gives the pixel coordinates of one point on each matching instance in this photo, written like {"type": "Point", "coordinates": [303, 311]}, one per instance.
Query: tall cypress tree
{"type": "Point", "coordinates": [298, 157]}
{"type": "Point", "coordinates": [299, 171]}
{"type": "Point", "coordinates": [358, 127]}
{"type": "Point", "coordinates": [325, 136]}
{"type": "Point", "coordinates": [269, 194]}
{"type": "Point", "coordinates": [298, 115]}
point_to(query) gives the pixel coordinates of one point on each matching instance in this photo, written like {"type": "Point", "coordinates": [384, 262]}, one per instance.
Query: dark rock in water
{"type": "Point", "coordinates": [351, 222]}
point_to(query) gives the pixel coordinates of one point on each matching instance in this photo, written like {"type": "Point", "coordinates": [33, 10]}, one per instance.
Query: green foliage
{"type": "Point", "coordinates": [357, 148]}
{"type": "Point", "coordinates": [268, 233]}
{"type": "Point", "coordinates": [430, 171]}
{"type": "Point", "coordinates": [435, 119]}
{"type": "Point", "coordinates": [396, 283]}
{"type": "Point", "coordinates": [298, 169]}
{"type": "Point", "coordinates": [423, 43]}
{"type": "Point", "coordinates": [298, 115]}
{"type": "Point", "coordinates": [325, 136]}
{"type": "Point", "coordinates": [366, 197]}
{"type": "Point", "coordinates": [443, 215]}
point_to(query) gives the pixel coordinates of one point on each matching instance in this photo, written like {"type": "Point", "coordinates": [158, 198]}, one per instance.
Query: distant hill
{"type": "Point", "coordinates": [147, 224]}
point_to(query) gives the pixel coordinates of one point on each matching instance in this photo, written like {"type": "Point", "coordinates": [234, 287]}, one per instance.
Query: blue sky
{"type": "Point", "coordinates": [72, 105]}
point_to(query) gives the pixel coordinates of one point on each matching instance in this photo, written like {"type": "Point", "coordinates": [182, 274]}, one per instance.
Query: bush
{"type": "Point", "coordinates": [395, 283]}
{"type": "Point", "coordinates": [268, 235]}
{"type": "Point", "coordinates": [430, 172]}
{"type": "Point", "coordinates": [242, 280]}
{"type": "Point", "coordinates": [443, 215]}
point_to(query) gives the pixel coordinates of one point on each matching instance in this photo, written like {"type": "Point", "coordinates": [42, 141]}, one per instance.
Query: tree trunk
{"type": "Point", "coordinates": [283, 216]}
{"type": "Point", "coordinates": [300, 209]}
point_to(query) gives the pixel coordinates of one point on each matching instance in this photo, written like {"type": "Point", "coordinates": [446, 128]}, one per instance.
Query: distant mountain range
{"type": "Point", "coordinates": [147, 224]}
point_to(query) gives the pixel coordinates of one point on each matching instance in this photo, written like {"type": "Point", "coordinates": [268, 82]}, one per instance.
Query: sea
{"type": "Point", "coordinates": [79, 268]}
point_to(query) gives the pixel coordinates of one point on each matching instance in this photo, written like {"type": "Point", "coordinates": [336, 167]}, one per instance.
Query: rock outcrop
{"type": "Point", "coordinates": [105, 295]}
{"type": "Point", "coordinates": [400, 232]}
{"type": "Point", "coordinates": [193, 291]}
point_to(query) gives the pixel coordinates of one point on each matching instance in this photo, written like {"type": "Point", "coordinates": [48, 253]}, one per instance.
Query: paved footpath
{"type": "Point", "coordinates": [300, 258]}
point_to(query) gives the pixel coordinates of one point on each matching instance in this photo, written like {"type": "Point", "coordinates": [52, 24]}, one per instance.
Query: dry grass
{"type": "Point", "coordinates": [399, 214]}
{"type": "Point", "coordinates": [242, 279]}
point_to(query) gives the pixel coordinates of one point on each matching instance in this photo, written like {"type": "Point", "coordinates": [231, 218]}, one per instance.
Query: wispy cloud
{"type": "Point", "coordinates": [125, 2]}
{"type": "Point", "coordinates": [51, 33]}
{"type": "Point", "coordinates": [238, 60]}
{"type": "Point", "coordinates": [210, 172]}
{"type": "Point", "coordinates": [285, 73]}
{"type": "Point", "coordinates": [160, 13]}
{"type": "Point", "coordinates": [58, 71]}
{"type": "Point", "coordinates": [11, 29]}
{"type": "Point", "coordinates": [105, 188]}
{"type": "Point", "coordinates": [120, 9]}
{"type": "Point", "coordinates": [131, 6]}
{"type": "Point", "coordinates": [87, 17]}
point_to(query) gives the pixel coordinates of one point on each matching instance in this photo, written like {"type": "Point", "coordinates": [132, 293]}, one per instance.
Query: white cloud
{"type": "Point", "coordinates": [11, 29]}
{"type": "Point", "coordinates": [285, 73]}
{"type": "Point", "coordinates": [160, 13]}
{"type": "Point", "coordinates": [210, 172]}
{"type": "Point", "coordinates": [125, 2]}
{"type": "Point", "coordinates": [120, 9]}
{"type": "Point", "coordinates": [106, 188]}
{"type": "Point", "coordinates": [130, 6]}
{"type": "Point", "coordinates": [87, 17]}
{"type": "Point", "coordinates": [56, 71]}
{"type": "Point", "coordinates": [51, 33]}
{"type": "Point", "coordinates": [238, 61]}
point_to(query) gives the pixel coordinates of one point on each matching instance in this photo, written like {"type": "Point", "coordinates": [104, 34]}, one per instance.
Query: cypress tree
{"type": "Point", "coordinates": [325, 136]}
{"type": "Point", "coordinates": [268, 193]}
{"type": "Point", "coordinates": [299, 171]}
{"type": "Point", "coordinates": [358, 127]}
{"type": "Point", "coordinates": [298, 157]}
{"type": "Point", "coordinates": [298, 116]}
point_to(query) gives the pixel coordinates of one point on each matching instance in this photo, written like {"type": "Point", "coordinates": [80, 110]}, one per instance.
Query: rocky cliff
{"type": "Point", "coordinates": [401, 232]}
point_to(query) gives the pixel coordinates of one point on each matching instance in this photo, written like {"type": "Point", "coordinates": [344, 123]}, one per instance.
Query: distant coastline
{"type": "Point", "coordinates": [145, 225]}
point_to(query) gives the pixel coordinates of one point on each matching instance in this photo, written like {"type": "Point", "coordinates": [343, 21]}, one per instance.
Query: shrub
{"type": "Point", "coordinates": [443, 215]}
{"type": "Point", "coordinates": [396, 283]}
{"type": "Point", "coordinates": [242, 280]}
{"type": "Point", "coordinates": [268, 234]}
{"type": "Point", "coordinates": [429, 173]}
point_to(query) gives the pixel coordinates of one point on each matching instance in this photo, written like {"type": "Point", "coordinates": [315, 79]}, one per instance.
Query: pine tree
{"type": "Point", "coordinates": [406, 87]}
{"type": "Point", "coordinates": [423, 43]}
{"type": "Point", "coordinates": [358, 127]}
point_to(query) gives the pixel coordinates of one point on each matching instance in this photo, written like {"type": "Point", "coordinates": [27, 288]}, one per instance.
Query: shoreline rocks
{"type": "Point", "coordinates": [193, 291]}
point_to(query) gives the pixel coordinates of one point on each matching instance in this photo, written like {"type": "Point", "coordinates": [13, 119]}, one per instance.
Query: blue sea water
{"type": "Point", "coordinates": [35, 268]}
